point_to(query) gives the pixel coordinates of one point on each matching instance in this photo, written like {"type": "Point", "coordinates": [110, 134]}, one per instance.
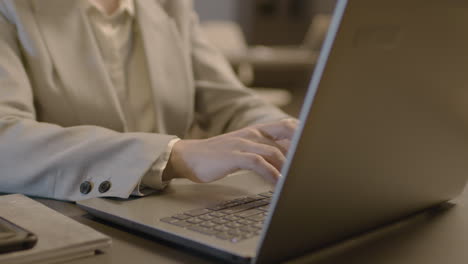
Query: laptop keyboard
{"type": "Point", "coordinates": [233, 220]}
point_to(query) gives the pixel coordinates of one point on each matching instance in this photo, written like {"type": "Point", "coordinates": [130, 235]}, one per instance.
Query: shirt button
{"type": "Point", "coordinates": [104, 186]}
{"type": "Point", "coordinates": [86, 187]}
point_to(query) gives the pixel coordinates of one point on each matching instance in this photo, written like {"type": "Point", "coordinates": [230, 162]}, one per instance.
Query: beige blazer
{"type": "Point", "coordinates": [60, 123]}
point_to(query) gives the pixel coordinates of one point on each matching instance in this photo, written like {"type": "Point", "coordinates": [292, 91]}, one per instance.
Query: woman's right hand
{"type": "Point", "coordinates": [260, 148]}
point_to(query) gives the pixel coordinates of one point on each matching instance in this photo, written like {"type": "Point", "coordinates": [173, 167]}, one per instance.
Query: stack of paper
{"type": "Point", "coordinates": [60, 238]}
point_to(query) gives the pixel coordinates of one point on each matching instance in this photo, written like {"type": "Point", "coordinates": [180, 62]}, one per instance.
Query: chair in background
{"type": "Point", "coordinates": [246, 60]}
{"type": "Point", "coordinates": [230, 40]}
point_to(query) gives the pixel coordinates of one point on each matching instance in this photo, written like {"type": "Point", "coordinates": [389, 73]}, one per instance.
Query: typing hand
{"type": "Point", "coordinates": [260, 148]}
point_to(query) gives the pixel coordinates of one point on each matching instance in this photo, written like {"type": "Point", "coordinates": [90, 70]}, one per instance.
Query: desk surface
{"type": "Point", "coordinates": [430, 238]}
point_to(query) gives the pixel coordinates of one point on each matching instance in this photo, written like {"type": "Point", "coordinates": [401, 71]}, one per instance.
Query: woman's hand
{"type": "Point", "coordinates": [260, 148]}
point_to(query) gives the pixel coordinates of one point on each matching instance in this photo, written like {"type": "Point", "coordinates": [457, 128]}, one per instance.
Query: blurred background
{"type": "Point", "coordinates": [271, 44]}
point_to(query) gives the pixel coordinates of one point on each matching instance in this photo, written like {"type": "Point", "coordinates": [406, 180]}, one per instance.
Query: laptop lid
{"type": "Point", "coordinates": [384, 126]}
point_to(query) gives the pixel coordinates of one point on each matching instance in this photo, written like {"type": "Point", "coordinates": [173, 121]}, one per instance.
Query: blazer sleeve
{"type": "Point", "coordinates": [223, 103]}
{"type": "Point", "coordinates": [48, 160]}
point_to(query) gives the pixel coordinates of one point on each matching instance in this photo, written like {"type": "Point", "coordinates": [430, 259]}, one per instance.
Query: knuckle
{"type": "Point", "coordinates": [273, 152]}
{"type": "Point", "coordinates": [241, 141]}
{"type": "Point", "coordinates": [279, 155]}
{"type": "Point", "coordinates": [236, 142]}
{"type": "Point", "coordinates": [286, 121]}
{"type": "Point", "coordinates": [290, 123]}
{"type": "Point", "coordinates": [291, 127]}
{"type": "Point", "coordinates": [253, 132]}
{"type": "Point", "coordinates": [256, 159]}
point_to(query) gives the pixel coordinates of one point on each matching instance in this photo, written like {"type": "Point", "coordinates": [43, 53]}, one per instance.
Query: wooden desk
{"type": "Point", "coordinates": [431, 238]}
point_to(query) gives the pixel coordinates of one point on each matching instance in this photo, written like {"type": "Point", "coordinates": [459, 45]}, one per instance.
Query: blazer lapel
{"type": "Point", "coordinates": [78, 63]}
{"type": "Point", "coordinates": [168, 66]}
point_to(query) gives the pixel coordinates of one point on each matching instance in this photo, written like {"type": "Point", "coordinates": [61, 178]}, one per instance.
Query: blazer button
{"type": "Point", "coordinates": [104, 186]}
{"type": "Point", "coordinates": [86, 187]}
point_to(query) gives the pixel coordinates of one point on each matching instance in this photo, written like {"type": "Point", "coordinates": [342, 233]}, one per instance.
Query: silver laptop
{"type": "Point", "coordinates": [384, 134]}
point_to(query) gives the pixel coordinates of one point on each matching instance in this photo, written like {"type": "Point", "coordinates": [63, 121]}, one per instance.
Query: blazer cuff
{"type": "Point", "coordinates": [152, 180]}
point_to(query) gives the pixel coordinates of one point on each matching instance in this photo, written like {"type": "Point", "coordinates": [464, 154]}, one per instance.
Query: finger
{"type": "Point", "coordinates": [283, 129]}
{"type": "Point", "coordinates": [258, 164]}
{"type": "Point", "coordinates": [255, 135]}
{"type": "Point", "coordinates": [284, 143]}
{"type": "Point", "coordinates": [271, 154]}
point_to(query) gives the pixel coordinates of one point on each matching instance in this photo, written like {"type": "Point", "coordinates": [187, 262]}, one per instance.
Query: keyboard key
{"type": "Point", "coordinates": [258, 225]}
{"type": "Point", "coordinates": [232, 210]}
{"type": "Point", "coordinates": [182, 216]}
{"type": "Point", "coordinates": [217, 214]}
{"type": "Point", "coordinates": [244, 207]}
{"type": "Point", "coordinates": [206, 217]}
{"type": "Point", "coordinates": [258, 217]}
{"type": "Point", "coordinates": [197, 212]}
{"type": "Point", "coordinates": [225, 204]}
{"type": "Point", "coordinates": [248, 213]}
{"type": "Point", "coordinates": [232, 218]}
{"type": "Point", "coordinates": [249, 229]}
{"type": "Point", "coordinates": [249, 199]}
{"type": "Point", "coordinates": [236, 232]}
{"type": "Point", "coordinates": [208, 224]}
{"type": "Point", "coordinates": [256, 198]}
{"type": "Point", "coordinates": [194, 220]}
{"type": "Point", "coordinates": [203, 230]}
{"type": "Point", "coordinates": [260, 203]}
{"type": "Point", "coordinates": [182, 223]}
{"type": "Point", "coordinates": [234, 225]}
{"type": "Point", "coordinates": [224, 236]}
{"type": "Point", "coordinates": [248, 235]}
{"type": "Point", "coordinates": [222, 228]}
{"type": "Point", "coordinates": [235, 202]}
{"type": "Point", "coordinates": [220, 207]}
{"type": "Point", "coordinates": [220, 221]}
{"type": "Point", "coordinates": [245, 222]}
